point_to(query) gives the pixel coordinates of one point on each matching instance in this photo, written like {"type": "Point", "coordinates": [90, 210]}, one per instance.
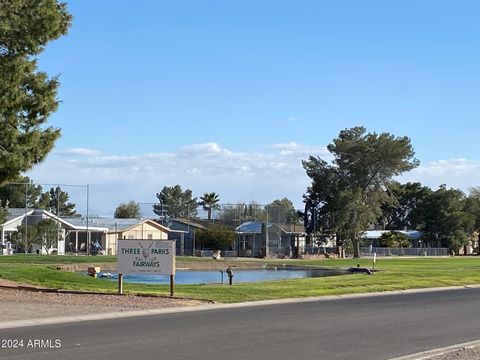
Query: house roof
{"type": "Point", "coordinates": [42, 212]}
{"type": "Point", "coordinates": [249, 227]}
{"type": "Point", "coordinates": [376, 234]}
{"type": "Point", "coordinates": [80, 223]}
{"type": "Point", "coordinates": [188, 222]}
{"type": "Point", "coordinates": [113, 225]}
{"type": "Point", "coordinates": [146, 221]}
{"type": "Point", "coordinates": [104, 224]}
{"type": "Point", "coordinates": [15, 214]}
{"type": "Point", "coordinates": [255, 227]}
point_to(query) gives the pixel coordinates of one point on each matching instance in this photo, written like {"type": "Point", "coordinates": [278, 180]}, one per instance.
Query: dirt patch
{"type": "Point", "coordinates": [470, 353]}
{"type": "Point", "coordinates": [23, 305]}
{"type": "Point", "coordinates": [9, 283]}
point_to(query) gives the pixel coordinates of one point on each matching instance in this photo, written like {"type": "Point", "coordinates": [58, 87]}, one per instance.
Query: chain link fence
{"type": "Point", "coordinates": [262, 231]}
{"type": "Point", "coordinates": [248, 230]}
{"type": "Point", "coordinates": [385, 251]}
{"type": "Point", "coordinates": [258, 230]}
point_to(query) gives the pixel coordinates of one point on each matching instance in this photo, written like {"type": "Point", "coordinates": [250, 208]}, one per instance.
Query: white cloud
{"type": "Point", "coordinates": [456, 173]}
{"type": "Point", "coordinates": [204, 149]}
{"type": "Point", "coordinates": [293, 148]}
{"type": "Point", "coordinates": [294, 118]}
{"type": "Point", "coordinates": [80, 152]}
{"type": "Point", "coordinates": [236, 176]}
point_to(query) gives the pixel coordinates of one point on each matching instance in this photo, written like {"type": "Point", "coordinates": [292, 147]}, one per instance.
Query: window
{"type": "Point", "coordinates": [150, 236]}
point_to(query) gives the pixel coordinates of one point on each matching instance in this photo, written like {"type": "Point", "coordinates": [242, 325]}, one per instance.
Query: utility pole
{"type": "Point", "coordinates": [58, 214]}
{"type": "Point", "coordinates": [25, 241]}
{"type": "Point", "coordinates": [266, 234]}
{"type": "Point", "coordinates": [88, 220]}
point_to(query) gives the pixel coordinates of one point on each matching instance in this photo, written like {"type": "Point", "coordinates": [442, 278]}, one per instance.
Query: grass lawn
{"type": "Point", "coordinates": [55, 259]}
{"type": "Point", "coordinates": [393, 274]}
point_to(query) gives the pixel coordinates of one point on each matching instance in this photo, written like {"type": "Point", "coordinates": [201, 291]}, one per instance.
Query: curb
{"type": "Point", "coordinates": [217, 306]}
{"type": "Point", "coordinates": [78, 292]}
{"type": "Point", "coordinates": [425, 355]}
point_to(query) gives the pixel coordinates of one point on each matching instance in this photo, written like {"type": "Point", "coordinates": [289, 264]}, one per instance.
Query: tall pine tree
{"type": "Point", "coordinates": [57, 202]}
{"type": "Point", "coordinates": [27, 96]}
{"type": "Point", "coordinates": [346, 196]}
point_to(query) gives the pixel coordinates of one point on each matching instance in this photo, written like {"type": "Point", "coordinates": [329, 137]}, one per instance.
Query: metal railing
{"type": "Point", "coordinates": [228, 254]}
{"type": "Point", "coordinates": [385, 251]}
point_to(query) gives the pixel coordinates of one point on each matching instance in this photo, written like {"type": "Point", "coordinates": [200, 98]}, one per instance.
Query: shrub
{"type": "Point", "coordinates": [216, 237]}
{"type": "Point", "coordinates": [395, 240]}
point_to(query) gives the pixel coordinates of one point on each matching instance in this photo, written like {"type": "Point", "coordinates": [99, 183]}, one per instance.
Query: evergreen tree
{"type": "Point", "coordinates": [3, 212]}
{"type": "Point", "coordinates": [175, 203]}
{"type": "Point", "coordinates": [19, 239]}
{"type": "Point", "coordinates": [128, 210]}
{"type": "Point", "coordinates": [346, 196]}
{"type": "Point", "coordinates": [281, 211]}
{"type": "Point", "coordinates": [15, 193]}
{"type": "Point", "coordinates": [401, 210]}
{"type": "Point", "coordinates": [443, 219]}
{"type": "Point", "coordinates": [27, 96]}
{"type": "Point", "coordinates": [48, 231]}
{"type": "Point", "coordinates": [56, 201]}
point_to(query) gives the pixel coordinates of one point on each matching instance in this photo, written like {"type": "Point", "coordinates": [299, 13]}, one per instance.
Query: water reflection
{"type": "Point", "coordinates": [215, 276]}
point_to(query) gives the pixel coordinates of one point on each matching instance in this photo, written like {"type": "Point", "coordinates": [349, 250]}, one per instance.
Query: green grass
{"type": "Point", "coordinates": [55, 259]}
{"type": "Point", "coordinates": [393, 274]}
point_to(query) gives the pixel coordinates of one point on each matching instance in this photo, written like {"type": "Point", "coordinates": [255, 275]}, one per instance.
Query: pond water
{"type": "Point", "coordinates": [215, 276]}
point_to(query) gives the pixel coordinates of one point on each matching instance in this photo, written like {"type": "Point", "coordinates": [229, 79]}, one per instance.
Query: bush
{"type": "Point", "coordinates": [216, 237]}
{"type": "Point", "coordinates": [395, 240]}
{"type": "Point", "coordinates": [457, 240]}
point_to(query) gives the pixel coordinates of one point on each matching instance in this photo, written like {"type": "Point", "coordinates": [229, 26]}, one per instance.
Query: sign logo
{"type": "Point", "coordinates": [146, 252]}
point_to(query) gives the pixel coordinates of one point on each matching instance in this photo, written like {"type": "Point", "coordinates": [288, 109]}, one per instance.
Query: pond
{"type": "Point", "coordinates": [215, 276]}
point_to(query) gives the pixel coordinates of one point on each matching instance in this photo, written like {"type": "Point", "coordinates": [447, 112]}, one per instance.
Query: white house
{"type": "Point", "coordinates": [17, 217]}
{"type": "Point", "coordinates": [78, 233]}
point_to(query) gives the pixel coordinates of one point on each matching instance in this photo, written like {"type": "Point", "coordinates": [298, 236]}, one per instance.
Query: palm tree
{"type": "Point", "coordinates": [209, 201]}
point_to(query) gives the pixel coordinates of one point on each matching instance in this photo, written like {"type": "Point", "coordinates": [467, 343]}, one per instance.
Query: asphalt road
{"type": "Point", "coordinates": [379, 327]}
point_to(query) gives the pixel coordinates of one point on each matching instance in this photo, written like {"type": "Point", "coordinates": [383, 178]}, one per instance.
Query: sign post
{"type": "Point", "coordinates": [146, 257]}
{"type": "Point", "coordinates": [374, 260]}
{"type": "Point", "coordinates": [120, 283]}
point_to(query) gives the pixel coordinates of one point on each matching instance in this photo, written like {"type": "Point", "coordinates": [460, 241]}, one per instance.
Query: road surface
{"type": "Point", "coordinates": [378, 327]}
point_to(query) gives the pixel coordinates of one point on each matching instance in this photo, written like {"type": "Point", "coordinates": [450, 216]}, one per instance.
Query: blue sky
{"type": "Point", "coordinates": [230, 96]}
